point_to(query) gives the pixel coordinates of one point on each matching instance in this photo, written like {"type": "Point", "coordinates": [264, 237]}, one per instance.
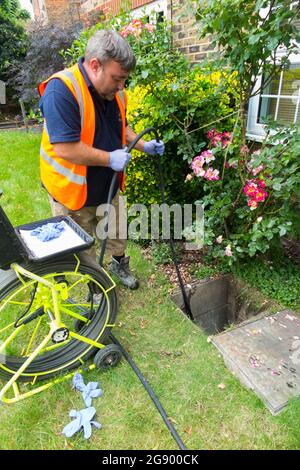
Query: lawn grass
{"type": "Point", "coordinates": [184, 369]}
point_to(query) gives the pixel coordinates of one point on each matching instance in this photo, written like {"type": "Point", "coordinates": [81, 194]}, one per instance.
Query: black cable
{"type": "Point", "coordinates": [187, 306]}
{"type": "Point", "coordinates": [137, 371]}
{"type": "Point", "coordinates": [150, 392]}
{"type": "Point", "coordinates": [17, 322]}
{"type": "Point", "coordinates": [148, 130]}
{"type": "Point", "coordinates": [112, 187]}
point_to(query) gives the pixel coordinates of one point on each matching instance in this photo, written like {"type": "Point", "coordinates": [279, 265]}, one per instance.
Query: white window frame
{"type": "Point", "coordinates": [150, 9]}
{"type": "Point", "coordinates": [256, 130]}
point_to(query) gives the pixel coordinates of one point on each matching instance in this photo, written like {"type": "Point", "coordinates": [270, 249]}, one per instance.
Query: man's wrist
{"type": "Point", "coordinates": [104, 158]}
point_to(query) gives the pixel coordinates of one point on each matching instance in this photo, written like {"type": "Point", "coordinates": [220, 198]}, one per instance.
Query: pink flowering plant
{"type": "Point", "coordinates": [250, 196]}
{"type": "Point", "coordinates": [136, 28]}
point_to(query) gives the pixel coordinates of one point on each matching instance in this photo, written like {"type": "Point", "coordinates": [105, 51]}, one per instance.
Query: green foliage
{"type": "Point", "coordinates": [179, 105]}
{"type": "Point", "coordinates": [204, 271]}
{"type": "Point", "coordinates": [43, 58]}
{"type": "Point", "coordinates": [278, 278]}
{"type": "Point", "coordinates": [19, 177]}
{"type": "Point", "coordinates": [250, 33]}
{"type": "Point", "coordinates": [13, 38]}
{"type": "Point", "coordinates": [255, 199]}
{"type": "Point", "coordinates": [161, 252]}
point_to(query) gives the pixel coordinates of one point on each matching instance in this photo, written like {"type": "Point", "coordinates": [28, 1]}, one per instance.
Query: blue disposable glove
{"type": "Point", "coordinates": [48, 232]}
{"type": "Point", "coordinates": [83, 419]}
{"type": "Point", "coordinates": [152, 147]}
{"type": "Point", "coordinates": [88, 391]}
{"type": "Point", "coordinates": [118, 159]}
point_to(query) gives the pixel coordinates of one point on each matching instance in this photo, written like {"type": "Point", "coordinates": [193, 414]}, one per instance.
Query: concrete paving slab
{"type": "Point", "coordinates": [265, 356]}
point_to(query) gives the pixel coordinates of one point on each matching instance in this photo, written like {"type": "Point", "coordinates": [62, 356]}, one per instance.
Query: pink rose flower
{"type": "Point", "coordinates": [208, 156]}
{"type": "Point", "coordinates": [252, 203]}
{"type": "Point", "coordinates": [250, 189]}
{"type": "Point", "coordinates": [260, 195]}
{"type": "Point", "coordinates": [211, 174]}
{"type": "Point", "coordinates": [149, 27]}
{"type": "Point", "coordinates": [261, 184]}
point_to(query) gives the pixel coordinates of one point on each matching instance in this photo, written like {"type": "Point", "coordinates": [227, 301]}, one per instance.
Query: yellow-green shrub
{"type": "Point", "coordinates": [177, 105]}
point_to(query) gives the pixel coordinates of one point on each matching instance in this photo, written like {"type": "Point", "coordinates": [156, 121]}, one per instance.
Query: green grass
{"type": "Point", "coordinates": [278, 278]}
{"type": "Point", "coordinates": [174, 355]}
{"type": "Point", "coordinates": [23, 200]}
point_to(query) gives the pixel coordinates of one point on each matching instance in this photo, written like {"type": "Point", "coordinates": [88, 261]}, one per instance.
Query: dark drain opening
{"type": "Point", "coordinates": [218, 303]}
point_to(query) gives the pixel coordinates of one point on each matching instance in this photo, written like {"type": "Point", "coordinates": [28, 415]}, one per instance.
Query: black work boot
{"type": "Point", "coordinates": [122, 271]}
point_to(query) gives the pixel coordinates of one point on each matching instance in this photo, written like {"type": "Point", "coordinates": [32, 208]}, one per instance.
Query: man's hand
{"type": "Point", "coordinates": [118, 159]}
{"type": "Point", "coordinates": [152, 147]}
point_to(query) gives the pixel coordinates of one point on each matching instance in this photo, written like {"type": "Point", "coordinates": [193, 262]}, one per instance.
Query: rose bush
{"type": "Point", "coordinates": [251, 197]}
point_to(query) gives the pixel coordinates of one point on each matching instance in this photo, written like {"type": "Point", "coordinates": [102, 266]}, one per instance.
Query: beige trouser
{"type": "Point", "coordinates": [89, 217]}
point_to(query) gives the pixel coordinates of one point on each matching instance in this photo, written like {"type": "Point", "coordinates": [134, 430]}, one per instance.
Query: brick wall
{"type": "Point", "coordinates": [57, 11]}
{"type": "Point", "coordinates": [186, 33]}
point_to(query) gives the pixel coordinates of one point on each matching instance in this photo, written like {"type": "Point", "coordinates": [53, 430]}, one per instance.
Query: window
{"type": "Point", "coordinates": [279, 100]}
{"type": "Point", "coordinates": [155, 12]}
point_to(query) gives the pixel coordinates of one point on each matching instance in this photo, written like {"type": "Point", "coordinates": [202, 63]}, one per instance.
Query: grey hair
{"type": "Point", "coordinates": [108, 45]}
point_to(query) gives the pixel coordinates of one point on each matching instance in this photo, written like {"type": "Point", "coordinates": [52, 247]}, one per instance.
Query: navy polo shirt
{"type": "Point", "coordinates": [61, 111]}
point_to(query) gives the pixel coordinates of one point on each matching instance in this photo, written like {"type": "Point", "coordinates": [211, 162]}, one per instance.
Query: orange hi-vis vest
{"type": "Point", "coordinates": [65, 181]}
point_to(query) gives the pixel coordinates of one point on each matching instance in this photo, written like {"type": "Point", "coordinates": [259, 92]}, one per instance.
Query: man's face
{"type": "Point", "coordinates": [107, 78]}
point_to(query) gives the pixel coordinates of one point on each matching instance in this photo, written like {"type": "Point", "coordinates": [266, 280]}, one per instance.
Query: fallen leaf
{"type": "Point", "coordinates": [189, 430]}
{"type": "Point", "coordinates": [172, 420]}
{"type": "Point", "coordinates": [133, 333]}
{"type": "Point", "coordinates": [275, 372]}
{"type": "Point", "coordinates": [166, 353]}
{"type": "Point", "coordinates": [143, 323]}
{"type": "Point", "coordinates": [68, 445]}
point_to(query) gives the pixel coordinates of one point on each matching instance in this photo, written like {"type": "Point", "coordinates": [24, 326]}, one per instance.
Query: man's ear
{"type": "Point", "coordinates": [95, 65]}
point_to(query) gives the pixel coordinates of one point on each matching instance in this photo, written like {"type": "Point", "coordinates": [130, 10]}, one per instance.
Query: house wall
{"type": "Point", "coordinates": [39, 10]}
{"type": "Point", "coordinates": [57, 11]}
{"type": "Point", "coordinates": [186, 33]}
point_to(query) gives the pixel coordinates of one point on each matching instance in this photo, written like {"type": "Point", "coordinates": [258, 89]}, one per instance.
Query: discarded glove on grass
{"type": "Point", "coordinates": [89, 391]}
{"type": "Point", "coordinates": [83, 419]}
{"type": "Point", "coordinates": [48, 232]}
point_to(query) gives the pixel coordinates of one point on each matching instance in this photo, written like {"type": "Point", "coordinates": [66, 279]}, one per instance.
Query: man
{"type": "Point", "coordinates": [85, 136]}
